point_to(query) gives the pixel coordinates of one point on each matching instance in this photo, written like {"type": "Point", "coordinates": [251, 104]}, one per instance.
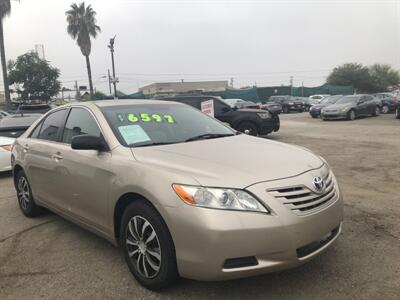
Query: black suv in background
{"type": "Point", "coordinates": [389, 102]}
{"type": "Point", "coordinates": [288, 103]}
{"type": "Point", "coordinates": [247, 120]}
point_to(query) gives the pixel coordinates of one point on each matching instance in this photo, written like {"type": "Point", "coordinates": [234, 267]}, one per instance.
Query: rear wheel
{"type": "Point", "coordinates": [385, 109]}
{"type": "Point", "coordinates": [248, 128]}
{"type": "Point", "coordinates": [148, 247]}
{"type": "Point", "coordinates": [25, 198]}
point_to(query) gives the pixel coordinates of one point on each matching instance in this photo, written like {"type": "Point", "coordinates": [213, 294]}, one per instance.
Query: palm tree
{"type": "Point", "coordinates": [5, 10]}
{"type": "Point", "coordinates": [82, 26]}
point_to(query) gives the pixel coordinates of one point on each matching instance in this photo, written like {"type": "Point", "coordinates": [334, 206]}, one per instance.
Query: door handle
{"type": "Point", "coordinates": [26, 148]}
{"type": "Point", "coordinates": [57, 156]}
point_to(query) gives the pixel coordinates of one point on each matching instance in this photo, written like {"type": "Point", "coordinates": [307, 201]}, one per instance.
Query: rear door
{"type": "Point", "coordinates": [86, 175]}
{"type": "Point", "coordinates": [40, 157]}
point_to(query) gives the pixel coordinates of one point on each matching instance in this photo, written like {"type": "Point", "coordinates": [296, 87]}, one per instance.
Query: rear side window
{"type": "Point", "coordinates": [51, 126]}
{"type": "Point", "coordinates": [80, 122]}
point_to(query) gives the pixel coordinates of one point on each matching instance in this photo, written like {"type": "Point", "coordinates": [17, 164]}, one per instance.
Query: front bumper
{"type": "Point", "coordinates": [315, 112]}
{"type": "Point", "coordinates": [206, 238]}
{"type": "Point", "coordinates": [266, 126]}
{"type": "Point", "coordinates": [5, 161]}
{"type": "Point", "coordinates": [334, 116]}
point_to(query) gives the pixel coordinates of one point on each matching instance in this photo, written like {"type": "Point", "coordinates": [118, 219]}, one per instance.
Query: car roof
{"type": "Point", "coordinates": [110, 103]}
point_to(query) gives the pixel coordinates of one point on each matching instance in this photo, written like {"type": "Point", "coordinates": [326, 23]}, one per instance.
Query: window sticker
{"type": "Point", "coordinates": [133, 134]}
{"type": "Point", "coordinates": [146, 118]}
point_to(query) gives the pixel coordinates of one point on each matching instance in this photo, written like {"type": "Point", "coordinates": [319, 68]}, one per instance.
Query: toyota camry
{"type": "Point", "coordinates": [171, 187]}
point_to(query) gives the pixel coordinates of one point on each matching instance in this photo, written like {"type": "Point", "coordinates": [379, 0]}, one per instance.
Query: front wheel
{"type": "Point", "coordinates": [24, 194]}
{"type": "Point", "coordinates": [148, 247]}
{"type": "Point", "coordinates": [351, 115]}
{"type": "Point", "coordinates": [385, 109]}
{"type": "Point", "coordinates": [376, 111]}
{"type": "Point", "coordinates": [248, 128]}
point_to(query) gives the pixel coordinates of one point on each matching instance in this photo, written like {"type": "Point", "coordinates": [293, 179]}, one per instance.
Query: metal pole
{"type": "Point", "coordinates": [109, 81]}
{"type": "Point", "coordinates": [114, 80]}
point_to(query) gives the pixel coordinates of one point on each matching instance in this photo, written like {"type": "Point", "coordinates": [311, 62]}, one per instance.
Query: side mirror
{"type": "Point", "coordinates": [88, 142]}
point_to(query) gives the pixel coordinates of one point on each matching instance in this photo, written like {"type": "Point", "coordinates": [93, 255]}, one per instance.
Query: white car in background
{"type": "Point", "coordinates": [5, 153]}
{"type": "Point", "coordinates": [11, 127]}
{"type": "Point", "coordinates": [318, 98]}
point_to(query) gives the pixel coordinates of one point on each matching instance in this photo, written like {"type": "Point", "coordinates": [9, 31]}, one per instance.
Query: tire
{"type": "Point", "coordinates": [397, 113]}
{"type": "Point", "coordinates": [351, 115]}
{"type": "Point", "coordinates": [251, 127]}
{"type": "Point", "coordinates": [385, 109]}
{"type": "Point", "coordinates": [285, 110]}
{"type": "Point", "coordinates": [376, 111]}
{"type": "Point", "coordinates": [159, 263]}
{"type": "Point", "coordinates": [314, 116]}
{"type": "Point", "coordinates": [24, 194]}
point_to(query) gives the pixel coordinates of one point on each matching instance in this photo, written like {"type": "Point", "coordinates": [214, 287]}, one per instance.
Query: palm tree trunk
{"type": "Point", "coordinates": [89, 71]}
{"type": "Point", "coordinates": [4, 68]}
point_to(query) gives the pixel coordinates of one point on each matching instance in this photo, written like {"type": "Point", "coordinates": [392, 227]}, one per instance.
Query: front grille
{"type": "Point", "coordinates": [302, 200]}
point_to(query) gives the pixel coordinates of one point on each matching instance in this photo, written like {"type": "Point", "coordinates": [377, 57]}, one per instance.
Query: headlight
{"type": "Point", "coordinates": [264, 115]}
{"type": "Point", "coordinates": [291, 103]}
{"type": "Point", "coordinates": [219, 198]}
{"type": "Point", "coordinates": [344, 109]}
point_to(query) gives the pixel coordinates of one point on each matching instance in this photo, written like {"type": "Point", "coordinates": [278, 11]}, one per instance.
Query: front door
{"type": "Point", "coordinates": [86, 174]}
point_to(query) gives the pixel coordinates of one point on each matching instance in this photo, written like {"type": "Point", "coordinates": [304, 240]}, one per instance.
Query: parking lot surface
{"type": "Point", "coordinates": [50, 258]}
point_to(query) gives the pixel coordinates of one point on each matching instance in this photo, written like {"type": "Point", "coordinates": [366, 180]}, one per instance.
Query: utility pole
{"type": "Point", "coordinates": [109, 81]}
{"type": "Point", "coordinates": [291, 85]}
{"type": "Point", "coordinates": [114, 80]}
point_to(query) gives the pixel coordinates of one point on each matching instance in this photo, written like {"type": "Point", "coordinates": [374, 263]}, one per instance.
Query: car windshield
{"type": "Point", "coordinates": [331, 99]}
{"type": "Point", "coordinates": [348, 99]}
{"type": "Point", "coordinates": [156, 124]}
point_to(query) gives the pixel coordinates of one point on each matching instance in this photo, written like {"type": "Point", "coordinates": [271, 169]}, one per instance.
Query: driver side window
{"type": "Point", "coordinates": [80, 122]}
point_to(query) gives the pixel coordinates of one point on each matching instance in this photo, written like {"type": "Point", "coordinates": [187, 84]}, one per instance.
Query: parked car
{"type": "Point", "coordinates": [172, 187]}
{"type": "Point", "coordinates": [307, 102]}
{"type": "Point", "coordinates": [351, 107]}
{"type": "Point", "coordinates": [288, 103]}
{"type": "Point", "coordinates": [388, 100]}
{"type": "Point", "coordinates": [33, 108]}
{"type": "Point", "coordinates": [272, 107]}
{"type": "Point", "coordinates": [315, 110]}
{"type": "Point", "coordinates": [318, 98]}
{"type": "Point", "coordinates": [252, 121]}
{"type": "Point", "coordinates": [11, 127]}
{"type": "Point", "coordinates": [397, 112]}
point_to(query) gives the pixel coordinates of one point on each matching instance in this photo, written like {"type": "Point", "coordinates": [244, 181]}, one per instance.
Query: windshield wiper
{"type": "Point", "coordinates": [150, 144]}
{"type": "Point", "coordinates": [208, 136]}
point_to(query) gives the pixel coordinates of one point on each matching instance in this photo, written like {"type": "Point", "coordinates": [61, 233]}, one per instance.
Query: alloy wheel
{"type": "Point", "coordinates": [143, 247]}
{"type": "Point", "coordinates": [377, 111]}
{"type": "Point", "coordinates": [385, 109]}
{"type": "Point", "coordinates": [352, 115]}
{"type": "Point", "coordinates": [24, 195]}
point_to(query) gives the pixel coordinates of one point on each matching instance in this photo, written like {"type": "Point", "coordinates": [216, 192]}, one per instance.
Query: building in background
{"type": "Point", "coordinates": [168, 88]}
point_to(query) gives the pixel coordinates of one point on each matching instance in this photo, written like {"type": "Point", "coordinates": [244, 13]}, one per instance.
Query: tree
{"type": "Point", "coordinates": [5, 10]}
{"type": "Point", "coordinates": [82, 26]}
{"type": "Point", "coordinates": [33, 77]}
{"type": "Point", "coordinates": [354, 74]}
{"type": "Point", "coordinates": [383, 77]}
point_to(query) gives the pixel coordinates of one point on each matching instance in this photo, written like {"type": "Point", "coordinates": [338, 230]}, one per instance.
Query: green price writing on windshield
{"type": "Point", "coordinates": [147, 118]}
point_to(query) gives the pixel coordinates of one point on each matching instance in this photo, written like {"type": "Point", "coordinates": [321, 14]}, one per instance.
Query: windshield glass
{"type": "Point", "coordinates": [331, 99]}
{"type": "Point", "coordinates": [149, 124]}
{"type": "Point", "coordinates": [348, 99]}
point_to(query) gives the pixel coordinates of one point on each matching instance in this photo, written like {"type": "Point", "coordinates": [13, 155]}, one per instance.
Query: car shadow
{"type": "Point", "coordinates": [5, 174]}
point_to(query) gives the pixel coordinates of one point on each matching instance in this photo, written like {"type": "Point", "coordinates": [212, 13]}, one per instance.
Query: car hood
{"type": "Point", "coordinates": [340, 106]}
{"type": "Point", "coordinates": [236, 161]}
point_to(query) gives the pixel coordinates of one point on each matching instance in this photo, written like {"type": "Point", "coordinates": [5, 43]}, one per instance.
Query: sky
{"type": "Point", "coordinates": [261, 43]}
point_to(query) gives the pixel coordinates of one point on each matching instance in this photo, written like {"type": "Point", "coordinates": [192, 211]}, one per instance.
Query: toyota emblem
{"type": "Point", "coordinates": [319, 184]}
